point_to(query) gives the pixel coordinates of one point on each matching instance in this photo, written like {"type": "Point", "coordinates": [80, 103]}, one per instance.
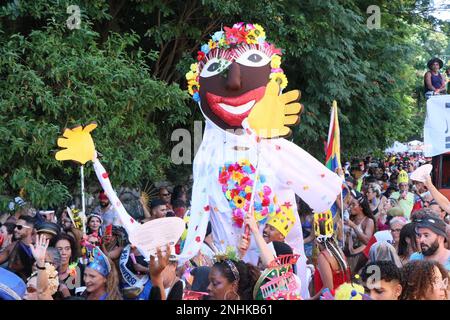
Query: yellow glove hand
{"type": "Point", "coordinates": [270, 117]}
{"type": "Point", "coordinates": [78, 143]}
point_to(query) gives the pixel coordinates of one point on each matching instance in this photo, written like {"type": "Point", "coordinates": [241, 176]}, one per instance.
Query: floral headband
{"type": "Point", "coordinates": [232, 44]}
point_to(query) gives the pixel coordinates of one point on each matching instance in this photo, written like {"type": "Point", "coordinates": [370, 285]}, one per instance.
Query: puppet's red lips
{"type": "Point", "coordinates": [233, 110]}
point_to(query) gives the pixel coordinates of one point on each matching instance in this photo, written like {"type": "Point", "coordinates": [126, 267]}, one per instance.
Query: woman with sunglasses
{"type": "Point", "coordinates": [396, 224]}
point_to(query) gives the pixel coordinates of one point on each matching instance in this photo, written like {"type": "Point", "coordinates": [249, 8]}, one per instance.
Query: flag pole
{"type": "Point", "coordinates": [83, 203]}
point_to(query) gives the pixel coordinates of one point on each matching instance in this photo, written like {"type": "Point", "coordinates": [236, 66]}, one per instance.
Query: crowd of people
{"type": "Point", "coordinates": [384, 222]}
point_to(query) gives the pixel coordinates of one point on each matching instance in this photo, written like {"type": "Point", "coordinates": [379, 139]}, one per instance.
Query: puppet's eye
{"type": "Point", "coordinates": [214, 66]}
{"type": "Point", "coordinates": [253, 58]}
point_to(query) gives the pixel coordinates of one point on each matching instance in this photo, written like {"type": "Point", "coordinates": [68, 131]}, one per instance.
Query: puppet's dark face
{"type": "Point", "coordinates": [229, 88]}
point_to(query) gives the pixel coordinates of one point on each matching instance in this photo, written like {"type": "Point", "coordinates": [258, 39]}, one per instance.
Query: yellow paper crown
{"type": "Point", "coordinates": [328, 218]}
{"type": "Point", "coordinates": [283, 220]}
{"type": "Point", "coordinates": [403, 177]}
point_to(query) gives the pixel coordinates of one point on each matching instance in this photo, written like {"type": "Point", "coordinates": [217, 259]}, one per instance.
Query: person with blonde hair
{"type": "Point", "coordinates": [101, 278]}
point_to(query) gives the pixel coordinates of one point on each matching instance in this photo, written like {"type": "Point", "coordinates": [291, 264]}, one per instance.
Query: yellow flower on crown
{"type": "Point", "coordinates": [194, 67]}
{"type": "Point", "coordinates": [251, 37]}
{"type": "Point", "coordinates": [192, 87]}
{"type": "Point", "coordinates": [283, 220]}
{"type": "Point", "coordinates": [280, 78]}
{"type": "Point", "coordinates": [191, 75]}
{"type": "Point", "coordinates": [259, 31]}
{"type": "Point", "coordinates": [222, 42]}
{"type": "Point", "coordinates": [212, 44]}
{"type": "Point", "coordinates": [275, 62]}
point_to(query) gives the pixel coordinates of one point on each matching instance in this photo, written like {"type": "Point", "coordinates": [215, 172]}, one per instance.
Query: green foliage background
{"type": "Point", "coordinates": [124, 68]}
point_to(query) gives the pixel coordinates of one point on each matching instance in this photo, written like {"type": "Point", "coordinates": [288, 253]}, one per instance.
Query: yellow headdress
{"type": "Point", "coordinates": [349, 291]}
{"type": "Point", "coordinates": [403, 177]}
{"type": "Point", "coordinates": [327, 217]}
{"type": "Point", "coordinates": [283, 220]}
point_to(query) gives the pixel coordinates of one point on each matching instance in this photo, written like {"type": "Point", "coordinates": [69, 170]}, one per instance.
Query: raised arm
{"type": "Point", "coordinates": [266, 254]}
{"type": "Point", "coordinates": [442, 201]}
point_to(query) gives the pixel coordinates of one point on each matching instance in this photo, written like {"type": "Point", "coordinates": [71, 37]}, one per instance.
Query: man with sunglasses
{"type": "Point", "coordinates": [18, 254]}
{"type": "Point", "coordinates": [166, 196]}
{"type": "Point", "coordinates": [431, 235]}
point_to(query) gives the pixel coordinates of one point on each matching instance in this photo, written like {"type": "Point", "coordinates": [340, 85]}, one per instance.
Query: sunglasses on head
{"type": "Point", "coordinates": [20, 227]}
{"type": "Point", "coordinates": [428, 219]}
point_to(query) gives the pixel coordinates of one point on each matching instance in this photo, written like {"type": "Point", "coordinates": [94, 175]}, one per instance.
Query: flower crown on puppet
{"type": "Point", "coordinates": [227, 46]}
{"type": "Point", "coordinates": [324, 219]}
{"type": "Point", "coordinates": [283, 220]}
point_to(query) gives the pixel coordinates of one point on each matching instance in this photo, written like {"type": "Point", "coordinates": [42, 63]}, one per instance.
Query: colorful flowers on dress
{"type": "Point", "coordinates": [223, 44]}
{"type": "Point", "coordinates": [237, 181]}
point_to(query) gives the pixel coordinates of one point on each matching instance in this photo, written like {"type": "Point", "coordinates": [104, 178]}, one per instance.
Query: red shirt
{"type": "Point", "coordinates": [339, 277]}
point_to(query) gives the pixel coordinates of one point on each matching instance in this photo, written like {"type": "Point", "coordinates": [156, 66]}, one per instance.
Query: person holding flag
{"type": "Point", "coordinates": [333, 162]}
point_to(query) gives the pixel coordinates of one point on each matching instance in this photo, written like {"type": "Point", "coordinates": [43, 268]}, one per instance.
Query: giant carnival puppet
{"type": "Point", "coordinates": [244, 163]}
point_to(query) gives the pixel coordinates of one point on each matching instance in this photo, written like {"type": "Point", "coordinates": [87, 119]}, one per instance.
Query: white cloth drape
{"type": "Point", "coordinates": [288, 170]}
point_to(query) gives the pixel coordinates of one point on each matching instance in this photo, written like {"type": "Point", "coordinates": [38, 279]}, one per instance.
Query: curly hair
{"type": "Point", "coordinates": [112, 283]}
{"type": "Point", "coordinates": [418, 278]}
{"type": "Point", "coordinates": [74, 246]}
{"type": "Point", "coordinates": [248, 275]}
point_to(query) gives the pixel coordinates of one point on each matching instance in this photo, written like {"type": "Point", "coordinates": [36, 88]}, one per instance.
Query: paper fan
{"type": "Point", "coordinates": [421, 173]}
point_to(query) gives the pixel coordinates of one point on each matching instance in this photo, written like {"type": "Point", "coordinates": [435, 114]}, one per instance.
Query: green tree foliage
{"type": "Point", "coordinates": [54, 77]}
{"type": "Point", "coordinates": [125, 66]}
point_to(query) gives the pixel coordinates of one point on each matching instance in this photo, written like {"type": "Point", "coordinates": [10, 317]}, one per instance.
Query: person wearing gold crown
{"type": "Point", "coordinates": [244, 162]}
{"type": "Point", "coordinates": [404, 197]}
{"type": "Point", "coordinates": [332, 267]}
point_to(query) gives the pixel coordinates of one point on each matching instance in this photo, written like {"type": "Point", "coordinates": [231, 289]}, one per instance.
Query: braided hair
{"type": "Point", "coordinates": [331, 246]}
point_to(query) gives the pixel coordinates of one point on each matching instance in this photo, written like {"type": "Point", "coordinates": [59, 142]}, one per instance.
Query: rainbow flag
{"type": "Point", "coordinates": [333, 147]}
